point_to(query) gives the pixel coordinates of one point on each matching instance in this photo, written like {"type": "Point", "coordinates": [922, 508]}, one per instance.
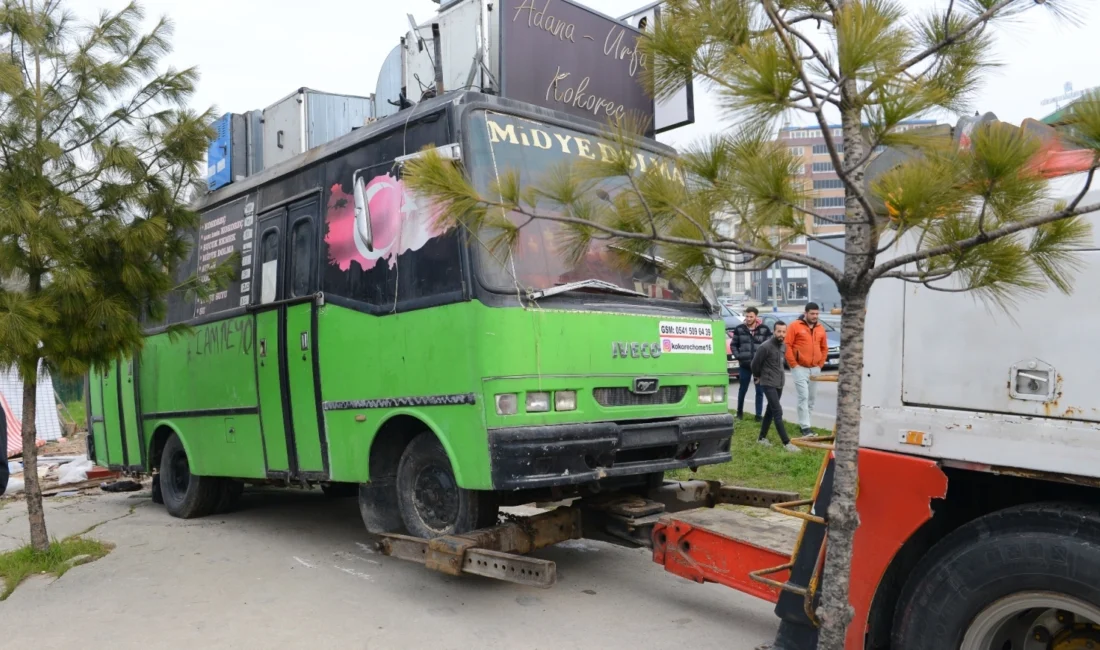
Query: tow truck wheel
{"type": "Point", "coordinates": [429, 498]}
{"type": "Point", "coordinates": [1025, 578]}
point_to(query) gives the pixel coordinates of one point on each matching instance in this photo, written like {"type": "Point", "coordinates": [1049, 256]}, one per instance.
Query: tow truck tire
{"type": "Point", "coordinates": [185, 495]}
{"type": "Point", "coordinates": [1038, 556]}
{"type": "Point", "coordinates": [428, 497]}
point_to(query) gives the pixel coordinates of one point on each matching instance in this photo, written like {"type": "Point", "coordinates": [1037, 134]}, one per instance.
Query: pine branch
{"type": "Point", "coordinates": [983, 238]}
{"type": "Point", "coordinates": [817, 55]}
{"type": "Point", "coordinates": [823, 122]}
{"type": "Point", "coordinates": [951, 39]}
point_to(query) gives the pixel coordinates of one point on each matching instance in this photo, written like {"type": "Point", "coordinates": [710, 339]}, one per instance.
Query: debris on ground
{"type": "Point", "coordinates": [125, 485]}
{"type": "Point", "coordinates": [63, 470]}
{"type": "Point", "coordinates": [74, 472]}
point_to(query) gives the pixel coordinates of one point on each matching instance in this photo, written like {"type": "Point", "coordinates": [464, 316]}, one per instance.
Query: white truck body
{"type": "Point", "coordinates": [1018, 390]}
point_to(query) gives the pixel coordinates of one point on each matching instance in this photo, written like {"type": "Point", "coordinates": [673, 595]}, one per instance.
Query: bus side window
{"type": "Point", "coordinates": [269, 266]}
{"type": "Point", "coordinates": [301, 258]}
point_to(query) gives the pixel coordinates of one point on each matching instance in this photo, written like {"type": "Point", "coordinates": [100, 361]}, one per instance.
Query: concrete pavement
{"type": "Point", "coordinates": [824, 414]}
{"type": "Point", "coordinates": [293, 569]}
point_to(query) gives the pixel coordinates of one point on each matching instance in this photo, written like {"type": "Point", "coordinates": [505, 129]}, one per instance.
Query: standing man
{"type": "Point", "coordinates": [807, 350]}
{"type": "Point", "coordinates": [767, 370]}
{"type": "Point", "coordinates": [747, 339]}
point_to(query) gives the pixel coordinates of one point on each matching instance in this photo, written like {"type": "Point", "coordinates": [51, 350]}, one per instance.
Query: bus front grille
{"type": "Point", "coordinates": [625, 397]}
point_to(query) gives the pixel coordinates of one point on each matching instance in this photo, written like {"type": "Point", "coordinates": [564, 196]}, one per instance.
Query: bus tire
{"type": "Point", "coordinates": [157, 495]}
{"type": "Point", "coordinates": [186, 495]}
{"type": "Point", "coordinates": [1003, 578]}
{"type": "Point", "coordinates": [428, 497]}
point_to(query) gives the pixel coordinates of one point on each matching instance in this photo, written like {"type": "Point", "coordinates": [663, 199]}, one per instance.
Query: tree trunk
{"type": "Point", "coordinates": [40, 540]}
{"type": "Point", "coordinates": [835, 612]}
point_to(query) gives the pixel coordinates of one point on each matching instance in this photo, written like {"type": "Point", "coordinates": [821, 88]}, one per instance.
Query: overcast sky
{"type": "Point", "coordinates": [251, 53]}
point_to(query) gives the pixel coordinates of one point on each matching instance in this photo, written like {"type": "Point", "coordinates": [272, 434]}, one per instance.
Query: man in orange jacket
{"type": "Point", "coordinates": [807, 350]}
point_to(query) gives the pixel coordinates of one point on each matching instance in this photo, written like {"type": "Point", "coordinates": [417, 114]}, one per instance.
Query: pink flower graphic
{"type": "Point", "coordinates": [398, 224]}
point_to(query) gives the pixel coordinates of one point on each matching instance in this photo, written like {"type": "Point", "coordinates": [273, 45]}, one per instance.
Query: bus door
{"type": "Point", "coordinates": [115, 423]}
{"type": "Point", "coordinates": [286, 279]}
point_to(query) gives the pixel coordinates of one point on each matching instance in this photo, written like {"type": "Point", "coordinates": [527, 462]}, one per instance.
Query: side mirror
{"type": "Point", "coordinates": [362, 211]}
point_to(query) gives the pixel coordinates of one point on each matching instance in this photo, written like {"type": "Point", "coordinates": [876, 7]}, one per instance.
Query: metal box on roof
{"type": "Point", "coordinates": [225, 159]}
{"type": "Point", "coordinates": [308, 118]}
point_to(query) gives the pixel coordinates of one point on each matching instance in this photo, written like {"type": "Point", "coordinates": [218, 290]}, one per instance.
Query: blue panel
{"type": "Point", "coordinates": [219, 170]}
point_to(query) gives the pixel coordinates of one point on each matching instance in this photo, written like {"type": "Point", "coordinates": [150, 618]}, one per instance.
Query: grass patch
{"type": "Point", "coordinates": [757, 466]}
{"type": "Point", "coordinates": [76, 411]}
{"type": "Point", "coordinates": [22, 563]}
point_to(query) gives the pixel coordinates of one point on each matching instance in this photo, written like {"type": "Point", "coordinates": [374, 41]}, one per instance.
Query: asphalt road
{"type": "Point", "coordinates": [293, 569]}
{"type": "Point", "coordinates": [824, 414]}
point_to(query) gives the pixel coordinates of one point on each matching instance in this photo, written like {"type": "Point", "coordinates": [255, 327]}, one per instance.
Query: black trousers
{"type": "Point", "coordinates": [773, 412]}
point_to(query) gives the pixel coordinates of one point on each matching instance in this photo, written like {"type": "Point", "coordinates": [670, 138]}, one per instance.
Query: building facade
{"type": "Point", "coordinates": [792, 284]}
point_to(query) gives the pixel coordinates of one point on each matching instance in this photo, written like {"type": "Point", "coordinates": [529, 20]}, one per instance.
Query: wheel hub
{"type": "Point", "coordinates": [1078, 637]}
{"type": "Point", "coordinates": [181, 472]}
{"type": "Point", "coordinates": [1035, 621]}
{"type": "Point", "coordinates": [436, 497]}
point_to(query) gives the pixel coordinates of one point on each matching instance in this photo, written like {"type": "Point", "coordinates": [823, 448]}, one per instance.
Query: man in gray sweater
{"type": "Point", "coordinates": [767, 371]}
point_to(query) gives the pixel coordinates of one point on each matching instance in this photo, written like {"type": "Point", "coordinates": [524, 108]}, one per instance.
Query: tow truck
{"type": "Point", "coordinates": [979, 478]}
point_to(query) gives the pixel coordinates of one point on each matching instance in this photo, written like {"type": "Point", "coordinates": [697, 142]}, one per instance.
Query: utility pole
{"type": "Point", "coordinates": [775, 286]}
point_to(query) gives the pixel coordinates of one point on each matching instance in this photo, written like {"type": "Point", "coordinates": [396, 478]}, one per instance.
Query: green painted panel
{"type": "Point", "coordinates": [213, 367]}
{"type": "Point", "coordinates": [271, 395]}
{"type": "Point", "coordinates": [470, 348]}
{"type": "Point", "coordinates": [303, 400]}
{"type": "Point", "coordinates": [219, 446]}
{"type": "Point", "coordinates": [130, 414]}
{"type": "Point", "coordinates": [99, 429]}
{"type": "Point", "coordinates": [111, 416]}
{"type": "Point", "coordinates": [423, 352]}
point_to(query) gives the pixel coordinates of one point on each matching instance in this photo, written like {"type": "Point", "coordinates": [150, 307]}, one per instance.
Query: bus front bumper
{"type": "Point", "coordinates": [570, 454]}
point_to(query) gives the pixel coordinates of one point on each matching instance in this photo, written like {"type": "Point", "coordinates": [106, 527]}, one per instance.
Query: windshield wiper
{"type": "Point", "coordinates": [592, 284]}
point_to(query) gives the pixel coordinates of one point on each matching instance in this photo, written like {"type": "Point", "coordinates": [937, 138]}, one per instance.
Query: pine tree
{"type": "Point", "coordinates": [99, 156]}
{"type": "Point", "coordinates": [971, 220]}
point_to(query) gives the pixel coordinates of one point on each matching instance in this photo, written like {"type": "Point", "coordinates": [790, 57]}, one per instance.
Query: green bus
{"type": "Point", "coordinates": [362, 350]}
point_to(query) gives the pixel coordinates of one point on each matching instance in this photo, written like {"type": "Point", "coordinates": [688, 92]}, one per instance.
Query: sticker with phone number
{"type": "Point", "coordinates": [686, 338]}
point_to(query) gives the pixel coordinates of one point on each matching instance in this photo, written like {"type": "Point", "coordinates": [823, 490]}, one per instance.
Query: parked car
{"type": "Point", "coordinates": [731, 318]}
{"type": "Point", "coordinates": [733, 366]}
{"type": "Point", "coordinates": [832, 333]}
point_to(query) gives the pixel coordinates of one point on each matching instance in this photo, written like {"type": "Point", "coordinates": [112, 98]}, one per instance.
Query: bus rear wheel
{"type": "Point", "coordinates": [186, 495]}
{"type": "Point", "coordinates": [1025, 578]}
{"type": "Point", "coordinates": [429, 498]}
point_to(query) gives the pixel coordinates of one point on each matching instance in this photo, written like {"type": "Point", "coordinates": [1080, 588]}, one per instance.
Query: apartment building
{"type": "Point", "coordinates": [789, 283]}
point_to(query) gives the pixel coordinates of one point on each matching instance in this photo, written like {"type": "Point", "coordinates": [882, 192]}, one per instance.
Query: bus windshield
{"type": "Point", "coordinates": [498, 143]}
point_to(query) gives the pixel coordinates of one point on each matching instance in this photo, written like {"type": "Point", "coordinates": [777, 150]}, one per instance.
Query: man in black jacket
{"type": "Point", "coordinates": [767, 370]}
{"type": "Point", "coordinates": [747, 339]}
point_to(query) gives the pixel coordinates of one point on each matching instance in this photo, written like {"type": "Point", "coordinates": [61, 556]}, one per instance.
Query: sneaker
{"type": "Point", "coordinates": [807, 432]}
{"type": "Point", "coordinates": [792, 448]}
{"type": "Point", "coordinates": [765, 442]}
{"type": "Point", "coordinates": [740, 416]}
{"type": "Point", "coordinates": [757, 418]}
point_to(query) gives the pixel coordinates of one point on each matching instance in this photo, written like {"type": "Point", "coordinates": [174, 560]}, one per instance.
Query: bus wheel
{"type": "Point", "coordinates": [185, 495]}
{"type": "Point", "coordinates": [1026, 578]}
{"type": "Point", "coordinates": [157, 495]}
{"type": "Point", "coordinates": [429, 498]}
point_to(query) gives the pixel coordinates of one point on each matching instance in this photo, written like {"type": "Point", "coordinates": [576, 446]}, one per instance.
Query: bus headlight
{"type": "Point", "coordinates": [565, 400]}
{"type": "Point", "coordinates": [538, 402]}
{"type": "Point", "coordinates": [712, 394]}
{"type": "Point", "coordinates": [507, 403]}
